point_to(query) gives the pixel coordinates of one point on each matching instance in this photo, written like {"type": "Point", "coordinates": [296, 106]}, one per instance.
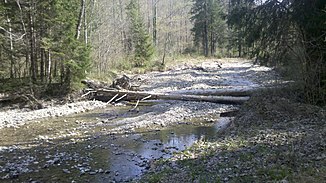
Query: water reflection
{"type": "Point", "coordinates": [132, 154]}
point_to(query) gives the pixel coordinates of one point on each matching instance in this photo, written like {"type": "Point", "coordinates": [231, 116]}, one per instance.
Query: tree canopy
{"type": "Point", "coordinates": [38, 41]}
{"type": "Point", "coordinates": [57, 41]}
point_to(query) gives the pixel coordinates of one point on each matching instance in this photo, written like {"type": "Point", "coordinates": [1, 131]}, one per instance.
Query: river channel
{"type": "Point", "coordinates": [119, 143]}
{"type": "Point", "coordinates": [86, 148]}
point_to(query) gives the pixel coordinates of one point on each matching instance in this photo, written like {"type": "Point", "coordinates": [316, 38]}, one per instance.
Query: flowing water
{"type": "Point", "coordinates": [81, 148]}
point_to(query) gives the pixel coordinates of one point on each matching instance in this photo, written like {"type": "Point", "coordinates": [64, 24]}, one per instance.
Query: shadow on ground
{"type": "Point", "coordinates": [273, 139]}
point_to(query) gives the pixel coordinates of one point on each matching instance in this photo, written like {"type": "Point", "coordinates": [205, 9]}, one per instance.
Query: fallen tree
{"type": "Point", "coordinates": [216, 92]}
{"type": "Point", "coordinates": [109, 96]}
{"type": "Point", "coordinates": [123, 89]}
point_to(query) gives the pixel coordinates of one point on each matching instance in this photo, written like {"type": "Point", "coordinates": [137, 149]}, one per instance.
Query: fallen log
{"type": "Point", "coordinates": [108, 95]}
{"type": "Point", "coordinates": [216, 92]}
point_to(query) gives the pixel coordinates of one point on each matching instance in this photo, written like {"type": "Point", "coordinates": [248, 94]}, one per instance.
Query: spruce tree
{"type": "Point", "coordinates": [289, 35]}
{"type": "Point", "coordinates": [209, 25]}
{"type": "Point", "coordinates": [142, 44]}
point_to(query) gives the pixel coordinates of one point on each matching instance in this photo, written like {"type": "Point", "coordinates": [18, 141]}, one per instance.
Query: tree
{"type": "Point", "coordinates": [209, 25]}
{"type": "Point", "coordinates": [143, 48]}
{"type": "Point", "coordinates": [286, 33]}
{"type": "Point", "coordinates": [310, 20]}
{"type": "Point", "coordinates": [38, 40]}
{"type": "Point", "coordinates": [166, 22]}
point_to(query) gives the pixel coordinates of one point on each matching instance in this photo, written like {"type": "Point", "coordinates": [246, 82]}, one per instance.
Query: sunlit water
{"type": "Point", "coordinates": [111, 157]}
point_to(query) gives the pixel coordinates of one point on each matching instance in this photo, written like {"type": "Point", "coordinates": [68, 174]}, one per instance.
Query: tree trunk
{"type": "Point", "coordinates": [42, 64]}
{"type": "Point", "coordinates": [41, 49]}
{"type": "Point", "coordinates": [11, 58]}
{"type": "Point", "coordinates": [49, 69]}
{"type": "Point", "coordinates": [165, 45]}
{"type": "Point", "coordinates": [206, 52]}
{"type": "Point", "coordinates": [154, 3]}
{"type": "Point", "coordinates": [108, 95]}
{"type": "Point", "coordinates": [32, 42]}
{"type": "Point", "coordinates": [80, 19]}
{"type": "Point", "coordinates": [85, 24]}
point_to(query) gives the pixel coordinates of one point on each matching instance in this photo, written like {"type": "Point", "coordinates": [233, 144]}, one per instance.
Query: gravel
{"type": "Point", "coordinates": [272, 139]}
{"type": "Point", "coordinates": [208, 75]}
{"type": "Point", "coordinates": [212, 74]}
{"type": "Point", "coordinates": [18, 117]}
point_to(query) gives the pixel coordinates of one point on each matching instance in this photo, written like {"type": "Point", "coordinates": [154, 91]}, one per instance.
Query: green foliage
{"type": "Point", "coordinates": [285, 34]}
{"type": "Point", "coordinates": [49, 38]}
{"type": "Point", "coordinates": [79, 61]}
{"type": "Point", "coordinates": [209, 25]}
{"type": "Point", "coordinates": [124, 64]}
{"type": "Point", "coordinates": [142, 43]}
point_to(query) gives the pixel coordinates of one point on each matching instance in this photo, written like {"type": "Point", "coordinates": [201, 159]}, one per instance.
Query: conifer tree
{"type": "Point", "coordinates": [38, 41]}
{"type": "Point", "coordinates": [209, 26]}
{"type": "Point", "coordinates": [142, 44]}
{"type": "Point", "coordinates": [288, 34]}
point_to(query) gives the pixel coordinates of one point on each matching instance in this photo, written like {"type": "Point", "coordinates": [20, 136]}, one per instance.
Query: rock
{"type": "Point", "coordinates": [45, 166]}
{"type": "Point", "coordinates": [33, 181]}
{"type": "Point", "coordinates": [56, 161]}
{"type": "Point", "coordinates": [107, 171]}
{"type": "Point", "coordinates": [66, 171]}
{"type": "Point", "coordinates": [92, 173]}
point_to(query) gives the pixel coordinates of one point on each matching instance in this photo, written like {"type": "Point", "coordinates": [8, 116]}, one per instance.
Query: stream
{"type": "Point", "coordinates": [85, 148]}
{"type": "Point", "coordinates": [118, 143]}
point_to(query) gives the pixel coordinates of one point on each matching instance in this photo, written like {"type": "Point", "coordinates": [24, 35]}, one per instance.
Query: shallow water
{"type": "Point", "coordinates": [81, 148]}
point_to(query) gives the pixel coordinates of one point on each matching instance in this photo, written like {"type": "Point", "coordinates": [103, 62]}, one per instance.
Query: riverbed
{"type": "Point", "coordinates": [117, 143]}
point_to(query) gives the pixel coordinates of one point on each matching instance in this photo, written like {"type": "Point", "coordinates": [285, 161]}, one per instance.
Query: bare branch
{"type": "Point", "coordinates": [12, 34]}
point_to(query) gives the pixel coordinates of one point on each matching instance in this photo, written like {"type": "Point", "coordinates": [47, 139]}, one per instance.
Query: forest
{"type": "Point", "coordinates": [59, 41]}
{"type": "Point", "coordinates": [162, 90]}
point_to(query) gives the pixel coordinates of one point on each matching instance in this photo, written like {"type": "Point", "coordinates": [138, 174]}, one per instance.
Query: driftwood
{"type": "Point", "coordinates": [123, 89]}
{"type": "Point", "coordinates": [120, 83]}
{"type": "Point", "coordinates": [216, 92]}
{"type": "Point", "coordinates": [117, 95]}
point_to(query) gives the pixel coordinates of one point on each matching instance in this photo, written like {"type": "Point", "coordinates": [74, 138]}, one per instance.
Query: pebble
{"type": "Point", "coordinates": [66, 171]}
{"type": "Point", "coordinates": [92, 173]}
{"type": "Point", "coordinates": [168, 113]}
{"type": "Point", "coordinates": [107, 171]}
{"type": "Point", "coordinates": [15, 118]}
